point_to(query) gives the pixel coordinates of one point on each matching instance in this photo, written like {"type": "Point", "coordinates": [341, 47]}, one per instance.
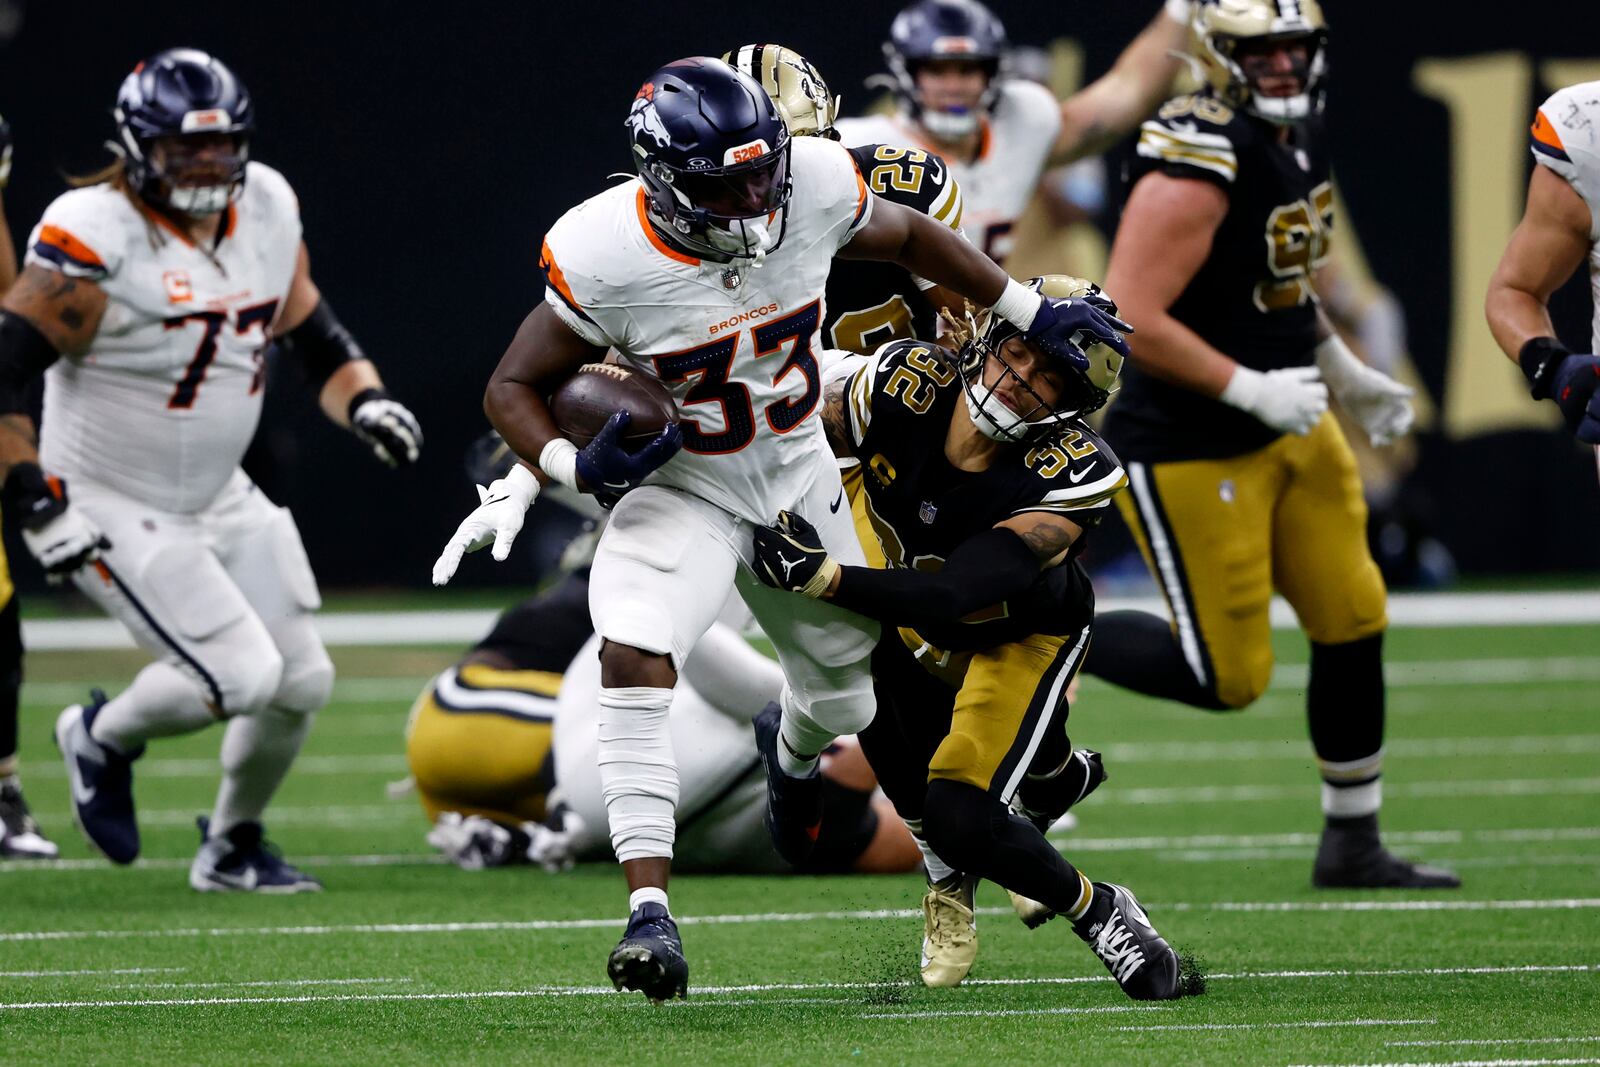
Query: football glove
{"type": "Point", "coordinates": [502, 507]}
{"type": "Point", "coordinates": [1380, 405]}
{"type": "Point", "coordinates": [604, 466]}
{"type": "Point", "coordinates": [387, 427]}
{"type": "Point", "coordinates": [1059, 321]}
{"type": "Point", "coordinates": [790, 556]}
{"type": "Point", "coordinates": [1571, 380]}
{"type": "Point", "coordinates": [61, 537]}
{"type": "Point", "coordinates": [1290, 400]}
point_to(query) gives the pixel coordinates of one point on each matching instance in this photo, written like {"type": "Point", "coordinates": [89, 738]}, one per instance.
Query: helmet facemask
{"type": "Point", "coordinates": [1281, 109]}
{"type": "Point", "coordinates": [197, 174]}
{"type": "Point", "coordinates": [727, 212]}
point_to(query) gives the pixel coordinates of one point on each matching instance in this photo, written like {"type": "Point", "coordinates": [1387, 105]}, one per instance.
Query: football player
{"type": "Point", "coordinates": [148, 300]}
{"type": "Point", "coordinates": [20, 836]}
{"type": "Point", "coordinates": [1559, 228]}
{"type": "Point", "coordinates": [503, 747]}
{"type": "Point", "coordinates": [998, 133]}
{"type": "Point", "coordinates": [980, 482]}
{"type": "Point", "coordinates": [708, 272]}
{"type": "Point", "coordinates": [1241, 480]}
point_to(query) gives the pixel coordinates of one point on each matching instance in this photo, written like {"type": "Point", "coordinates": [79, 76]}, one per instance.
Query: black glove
{"type": "Point", "coordinates": [61, 537]}
{"type": "Point", "coordinates": [1570, 379]}
{"type": "Point", "coordinates": [387, 426]}
{"type": "Point", "coordinates": [789, 555]}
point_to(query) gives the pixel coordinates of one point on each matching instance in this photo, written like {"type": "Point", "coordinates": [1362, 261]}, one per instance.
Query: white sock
{"type": "Point", "coordinates": [638, 775]}
{"type": "Point", "coordinates": [800, 740]}
{"type": "Point", "coordinates": [647, 895]}
{"type": "Point", "coordinates": [938, 869]}
{"type": "Point", "coordinates": [1352, 788]}
{"type": "Point", "coordinates": [161, 702]}
{"type": "Point", "coordinates": [257, 751]}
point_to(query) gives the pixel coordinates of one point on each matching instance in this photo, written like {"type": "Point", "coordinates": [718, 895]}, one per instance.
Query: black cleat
{"type": "Point", "coordinates": [20, 836]}
{"type": "Point", "coordinates": [794, 805]}
{"type": "Point", "coordinates": [1119, 932]}
{"type": "Point", "coordinates": [649, 958]}
{"type": "Point", "coordinates": [101, 780]}
{"type": "Point", "coordinates": [1353, 857]}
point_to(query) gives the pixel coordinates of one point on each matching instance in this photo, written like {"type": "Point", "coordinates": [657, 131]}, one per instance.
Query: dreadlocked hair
{"type": "Point", "coordinates": [961, 330]}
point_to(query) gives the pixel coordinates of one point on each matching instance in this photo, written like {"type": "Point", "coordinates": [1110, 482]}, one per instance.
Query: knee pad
{"type": "Point", "coordinates": [1241, 676]}
{"type": "Point", "coordinates": [1355, 610]}
{"type": "Point", "coordinates": [247, 682]}
{"type": "Point", "coordinates": [307, 679]}
{"type": "Point", "coordinates": [958, 823]}
{"type": "Point", "coordinates": [845, 710]}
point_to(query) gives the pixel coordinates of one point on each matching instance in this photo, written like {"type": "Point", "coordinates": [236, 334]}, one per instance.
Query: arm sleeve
{"type": "Point", "coordinates": [986, 569]}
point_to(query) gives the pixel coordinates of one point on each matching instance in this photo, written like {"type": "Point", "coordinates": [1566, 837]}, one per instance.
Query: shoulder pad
{"type": "Point", "coordinates": [83, 233]}
{"type": "Point", "coordinates": [913, 177]}
{"type": "Point", "coordinates": [901, 377]}
{"type": "Point", "coordinates": [1195, 135]}
{"type": "Point", "coordinates": [1076, 471]}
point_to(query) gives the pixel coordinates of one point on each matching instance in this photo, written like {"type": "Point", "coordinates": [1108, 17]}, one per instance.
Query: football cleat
{"type": "Point", "coordinates": [794, 805]}
{"type": "Point", "coordinates": [20, 837]}
{"type": "Point", "coordinates": [949, 931]}
{"type": "Point", "coordinates": [1119, 932]}
{"type": "Point", "coordinates": [649, 958]}
{"type": "Point", "coordinates": [1045, 803]}
{"type": "Point", "coordinates": [1353, 857]}
{"type": "Point", "coordinates": [101, 781]}
{"type": "Point", "coordinates": [241, 861]}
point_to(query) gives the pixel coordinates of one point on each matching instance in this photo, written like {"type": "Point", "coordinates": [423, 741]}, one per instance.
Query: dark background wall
{"type": "Point", "coordinates": [432, 145]}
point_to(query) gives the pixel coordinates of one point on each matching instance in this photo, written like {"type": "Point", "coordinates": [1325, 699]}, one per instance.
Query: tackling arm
{"type": "Point", "coordinates": [1098, 115]}
{"type": "Point", "coordinates": [928, 249]}
{"type": "Point", "coordinates": [1548, 245]}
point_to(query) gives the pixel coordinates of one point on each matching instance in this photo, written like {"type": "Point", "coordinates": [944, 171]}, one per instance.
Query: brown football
{"type": "Point", "coordinates": [586, 400]}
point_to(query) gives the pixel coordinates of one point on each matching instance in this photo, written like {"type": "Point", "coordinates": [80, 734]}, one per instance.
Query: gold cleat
{"type": "Point", "coordinates": [949, 932]}
{"type": "Point", "coordinates": [1032, 913]}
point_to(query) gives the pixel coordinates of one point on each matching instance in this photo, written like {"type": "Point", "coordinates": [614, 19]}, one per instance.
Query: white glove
{"type": "Point", "coordinates": [551, 848]}
{"type": "Point", "coordinates": [1289, 400]}
{"type": "Point", "coordinates": [1380, 405]}
{"type": "Point", "coordinates": [65, 543]}
{"type": "Point", "coordinates": [498, 518]}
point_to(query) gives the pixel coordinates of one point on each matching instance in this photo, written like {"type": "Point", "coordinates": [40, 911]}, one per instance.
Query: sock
{"type": "Point", "coordinates": [800, 740]}
{"type": "Point", "coordinates": [1044, 798]}
{"type": "Point", "coordinates": [1345, 712]}
{"type": "Point", "coordinates": [10, 684]}
{"type": "Point", "coordinates": [974, 831]}
{"type": "Point", "coordinates": [1137, 650]}
{"type": "Point", "coordinates": [647, 895]}
{"type": "Point", "coordinates": [938, 870]}
{"type": "Point", "coordinates": [162, 701]}
{"type": "Point", "coordinates": [257, 751]}
{"type": "Point", "coordinates": [1085, 902]}
{"type": "Point", "coordinates": [638, 775]}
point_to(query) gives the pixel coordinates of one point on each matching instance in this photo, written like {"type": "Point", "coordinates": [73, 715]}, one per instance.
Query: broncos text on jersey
{"type": "Point", "coordinates": [1566, 139]}
{"type": "Point", "coordinates": [920, 507]}
{"type": "Point", "coordinates": [870, 303]}
{"type": "Point", "coordinates": [1252, 297]}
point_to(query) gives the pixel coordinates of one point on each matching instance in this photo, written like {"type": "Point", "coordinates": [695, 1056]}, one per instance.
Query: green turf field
{"type": "Point", "coordinates": [1494, 768]}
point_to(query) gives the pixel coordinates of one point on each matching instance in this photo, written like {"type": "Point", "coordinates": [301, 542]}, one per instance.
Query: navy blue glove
{"type": "Point", "coordinates": [604, 466]}
{"type": "Point", "coordinates": [1571, 380]}
{"type": "Point", "coordinates": [1065, 326]}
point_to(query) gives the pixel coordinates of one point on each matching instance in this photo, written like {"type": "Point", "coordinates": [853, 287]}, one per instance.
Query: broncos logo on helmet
{"type": "Point", "coordinates": [643, 119]}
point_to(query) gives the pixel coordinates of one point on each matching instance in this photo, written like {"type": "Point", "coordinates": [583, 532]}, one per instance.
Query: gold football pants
{"type": "Point", "coordinates": [1220, 535]}
{"type": "Point", "coordinates": [480, 743]}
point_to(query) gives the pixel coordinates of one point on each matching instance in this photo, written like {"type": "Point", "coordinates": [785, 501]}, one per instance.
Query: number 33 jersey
{"type": "Point", "coordinates": [733, 342]}
{"type": "Point", "coordinates": [164, 403]}
{"type": "Point", "coordinates": [920, 508]}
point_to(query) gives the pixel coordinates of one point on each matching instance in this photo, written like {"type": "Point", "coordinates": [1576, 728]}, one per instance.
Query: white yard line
{"type": "Point", "coordinates": [1309, 1024]}
{"type": "Point", "coordinates": [1393, 837]}
{"type": "Point", "coordinates": [1439, 1042]}
{"type": "Point", "coordinates": [1464, 1063]}
{"type": "Point", "coordinates": [78, 974]}
{"type": "Point", "coordinates": [265, 983]}
{"type": "Point", "coordinates": [182, 863]}
{"type": "Point", "coordinates": [341, 766]}
{"type": "Point", "coordinates": [1297, 750]}
{"type": "Point", "coordinates": [997, 1013]}
{"type": "Point", "coordinates": [1236, 794]}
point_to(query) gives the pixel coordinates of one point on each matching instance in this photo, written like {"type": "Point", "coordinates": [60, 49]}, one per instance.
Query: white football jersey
{"type": "Point", "coordinates": [732, 342]}
{"type": "Point", "coordinates": [164, 403]}
{"type": "Point", "coordinates": [1566, 139]}
{"type": "Point", "coordinates": [1015, 145]}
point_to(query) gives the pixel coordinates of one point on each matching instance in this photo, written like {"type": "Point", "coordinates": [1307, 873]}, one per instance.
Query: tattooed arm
{"type": "Point", "coordinates": [835, 420]}
{"type": "Point", "coordinates": [1047, 536]}
{"type": "Point", "coordinates": [65, 312]}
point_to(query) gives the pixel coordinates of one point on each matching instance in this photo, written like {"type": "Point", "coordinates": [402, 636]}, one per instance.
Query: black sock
{"type": "Point", "coordinates": [1345, 712]}
{"type": "Point", "coordinates": [1046, 797]}
{"type": "Point", "coordinates": [10, 677]}
{"type": "Point", "coordinates": [1137, 650]}
{"type": "Point", "coordinates": [975, 833]}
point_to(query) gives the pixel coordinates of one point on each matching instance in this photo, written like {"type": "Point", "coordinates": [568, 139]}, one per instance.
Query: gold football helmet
{"type": "Point", "coordinates": [802, 97]}
{"type": "Point", "coordinates": [1221, 26]}
{"type": "Point", "coordinates": [1085, 387]}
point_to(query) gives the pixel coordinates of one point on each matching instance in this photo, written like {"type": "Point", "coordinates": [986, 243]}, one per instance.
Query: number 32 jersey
{"type": "Point", "coordinates": [164, 403]}
{"type": "Point", "coordinates": [920, 508]}
{"type": "Point", "coordinates": [732, 342]}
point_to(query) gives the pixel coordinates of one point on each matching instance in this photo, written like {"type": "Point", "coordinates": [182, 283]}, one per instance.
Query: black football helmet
{"type": "Point", "coordinates": [944, 29]}
{"type": "Point", "coordinates": [713, 154]}
{"type": "Point", "coordinates": [184, 93]}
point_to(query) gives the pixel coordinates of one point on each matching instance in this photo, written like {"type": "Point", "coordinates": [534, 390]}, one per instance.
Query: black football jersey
{"type": "Point", "coordinates": [920, 507]}
{"type": "Point", "coordinates": [871, 303]}
{"type": "Point", "coordinates": [1252, 298]}
{"type": "Point", "coordinates": [544, 632]}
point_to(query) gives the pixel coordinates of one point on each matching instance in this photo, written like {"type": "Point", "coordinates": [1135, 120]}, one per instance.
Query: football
{"type": "Point", "coordinates": [585, 401]}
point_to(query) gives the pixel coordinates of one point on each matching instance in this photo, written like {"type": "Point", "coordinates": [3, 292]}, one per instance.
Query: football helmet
{"type": "Point", "coordinates": [713, 155]}
{"type": "Point", "coordinates": [944, 29]}
{"type": "Point", "coordinates": [1089, 375]}
{"type": "Point", "coordinates": [182, 93]}
{"type": "Point", "coordinates": [1221, 26]}
{"type": "Point", "coordinates": [795, 86]}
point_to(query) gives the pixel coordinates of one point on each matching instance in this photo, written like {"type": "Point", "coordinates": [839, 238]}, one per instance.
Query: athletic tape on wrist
{"type": "Point", "coordinates": [559, 459]}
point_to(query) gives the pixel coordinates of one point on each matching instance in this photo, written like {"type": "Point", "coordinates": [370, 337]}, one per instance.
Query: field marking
{"type": "Point", "coordinates": [1517, 670]}
{"type": "Point", "coordinates": [1393, 837]}
{"type": "Point", "coordinates": [1296, 749]}
{"type": "Point", "coordinates": [1001, 1012]}
{"type": "Point", "coordinates": [507, 925]}
{"type": "Point", "coordinates": [1461, 1063]}
{"type": "Point", "coordinates": [1299, 855]}
{"type": "Point", "coordinates": [1309, 1024]}
{"type": "Point", "coordinates": [177, 863]}
{"type": "Point", "coordinates": [1230, 794]}
{"type": "Point", "coordinates": [342, 766]}
{"type": "Point", "coordinates": [1438, 1042]}
{"type": "Point", "coordinates": [76, 974]}
{"type": "Point", "coordinates": [267, 983]}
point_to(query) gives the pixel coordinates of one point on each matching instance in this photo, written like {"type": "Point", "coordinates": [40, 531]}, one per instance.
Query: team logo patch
{"type": "Point", "coordinates": [927, 512]}
{"type": "Point", "coordinates": [210, 119]}
{"type": "Point", "coordinates": [643, 119]}
{"type": "Point", "coordinates": [179, 291]}
{"type": "Point", "coordinates": [745, 152]}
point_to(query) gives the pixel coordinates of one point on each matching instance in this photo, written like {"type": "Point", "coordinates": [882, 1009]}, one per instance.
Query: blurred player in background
{"type": "Point", "coordinates": [998, 133]}
{"type": "Point", "coordinates": [1560, 228]}
{"type": "Point", "coordinates": [1241, 480]}
{"type": "Point", "coordinates": [20, 837]}
{"type": "Point", "coordinates": [148, 300]}
{"type": "Point", "coordinates": [730, 229]}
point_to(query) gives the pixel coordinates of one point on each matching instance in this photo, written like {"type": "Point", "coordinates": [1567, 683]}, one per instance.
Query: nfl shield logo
{"type": "Point", "coordinates": [927, 512]}
{"type": "Point", "coordinates": [730, 278]}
